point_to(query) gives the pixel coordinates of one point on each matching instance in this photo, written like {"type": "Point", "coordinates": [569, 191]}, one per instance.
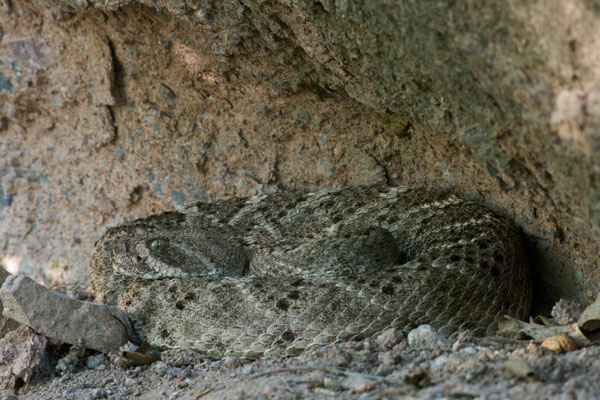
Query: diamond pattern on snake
{"type": "Point", "coordinates": [272, 275]}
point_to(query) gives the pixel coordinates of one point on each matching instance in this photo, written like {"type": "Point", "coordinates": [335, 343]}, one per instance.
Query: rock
{"type": "Point", "coordinates": [230, 362]}
{"type": "Point", "coordinates": [566, 312]}
{"type": "Point", "coordinates": [389, 338]}
{"type": "Point", "coordinates": [438, 364]}
{"type": "Point", "coordinates": [23, 358]}
{"type": "Point", "coordinates": [425, 337]}
{"type": "Point", "coordinates": [6, 324]}
{"type": "Point", "coordinates": [95, 360]}
{"type": "Point", "coordinates": [519, 367]}
{"type": "Point", "coordinates": [71, 361]}
{"type": "Point", "coordinates": [357, 383]}
{"type": "Point", "coordinates": [181, 357]}
{"type": "Point", "coordinates": [62, 318]}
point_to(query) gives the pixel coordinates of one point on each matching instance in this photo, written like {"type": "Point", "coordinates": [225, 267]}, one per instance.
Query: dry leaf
{"type": "Point", "coordinates": [512, 325]}
{"type": "Point", "coordinates": [139, 356]}
{"type": "Point", "coordinates": [559, 344]}
{"type": "Point", "coordinates": [590, 317]}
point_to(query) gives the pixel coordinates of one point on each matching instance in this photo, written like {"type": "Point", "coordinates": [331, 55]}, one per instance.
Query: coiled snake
{"type": "Point", "coordinates": [273, 275]}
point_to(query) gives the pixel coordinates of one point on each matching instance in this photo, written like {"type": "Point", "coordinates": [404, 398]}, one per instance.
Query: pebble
{"type": "Point", "coordinates": [330, 383]}
{"type": "Point", "coordinates": [425, 337]}
{"type": "Point", "coordinates": [438, 364]}
{"type": "Point", "coordinates": [95, 361]}
{"type": "Point", "coordinates": [247, 370]}
{"type": "Point", "coordinates": [269, 391]}
{"type": "Point", "coordinates": [389, 338]}
{"type": "Point", "coordinates": [230, 362]}
{"type": "Point", "coordinates": [357, 383]}
{"type": "Point", "coordinates": [160, 367]}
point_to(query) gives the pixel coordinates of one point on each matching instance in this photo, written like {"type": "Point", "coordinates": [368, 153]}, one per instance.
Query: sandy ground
{"type": "Point", "coordinates": [389, 366]}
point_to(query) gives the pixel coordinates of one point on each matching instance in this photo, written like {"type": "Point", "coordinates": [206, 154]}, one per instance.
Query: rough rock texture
{"type": "Point", "coordinates": [62, 318]}
{"type": "Point", "coordinates": [111, 110]}
{"type": "Point", "coordinates": [6, 324]}
{"type": "Point", "coordinates": [23, 358]}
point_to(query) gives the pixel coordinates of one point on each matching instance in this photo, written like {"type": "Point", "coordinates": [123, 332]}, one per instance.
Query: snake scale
{"type": "Point", "coordinates": [272, 275]}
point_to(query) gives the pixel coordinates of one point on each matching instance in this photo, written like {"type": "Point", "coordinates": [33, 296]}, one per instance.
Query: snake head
{"type": "Point", "coordinates": [174, 245]}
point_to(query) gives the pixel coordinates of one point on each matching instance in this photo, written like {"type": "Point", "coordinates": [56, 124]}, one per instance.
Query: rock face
{"type": "Point", "coordinates": [62, 318]}
{"type": "Point", "coordinates": [23, 358]}
{"type": "Point", "coordinates": [111, 110]}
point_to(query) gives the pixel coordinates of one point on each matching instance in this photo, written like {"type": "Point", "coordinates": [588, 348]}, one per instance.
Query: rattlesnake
{"type": "Point", "coordinates": [273, 275]}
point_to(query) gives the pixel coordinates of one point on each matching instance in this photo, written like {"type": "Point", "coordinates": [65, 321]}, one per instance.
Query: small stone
{"type": "Point", "coordinates": [330, 384]}
{"type": "Point", "coordinates": [72, 360]}
{"type": "Point", "coordinates": [566, 312]}
{"type": "Point", "coordinates": [387, 358]}
{"type": "Point", "coordinates": [462, 340]}
{"type": "Point", "coordinates": [23, 357]}
{"type": "Point", "coordinates": [247, 370]}
{"type": "Point", "coordinates": [389, 338]}
{"type": "Point", "coordinates": [230, 362]}
{"type": "Point", "coordinates": [425, 337]}
{"type": "Point", "coordinates": [520, 368]}
{"type": "Point", "coordinates": [160, 367]}
{"type": "Point", "coordinates": [385, 369]}
{"type": "Point", "coordinates": [358, 383]}
{"type": "Point", "coordinates": [438, 364]}
{"type": "Point", "coordinates": [269, 391]}
{"type": "Point", "coordinates": [95, 360]}
{"type": "Point", "coordinates": [181, 357]}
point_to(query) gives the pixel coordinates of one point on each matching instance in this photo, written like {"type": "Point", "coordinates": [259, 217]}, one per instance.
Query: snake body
{"type": "Point", "coordinates": [272, 275]}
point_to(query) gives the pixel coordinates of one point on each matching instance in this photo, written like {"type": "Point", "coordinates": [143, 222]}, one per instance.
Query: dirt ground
{"type": "Point", "coordinates": [389, 366]}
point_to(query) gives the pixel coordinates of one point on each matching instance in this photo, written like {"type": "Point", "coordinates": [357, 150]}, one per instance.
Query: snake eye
{"type": "Point", "coordinates": [158, 245]}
